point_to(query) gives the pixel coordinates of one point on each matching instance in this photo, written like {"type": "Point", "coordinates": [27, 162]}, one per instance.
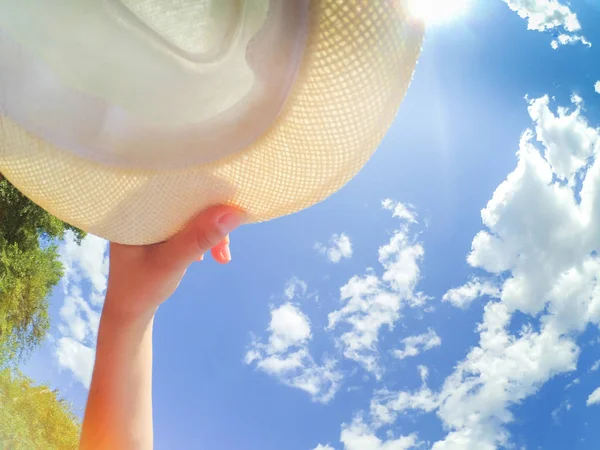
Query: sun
{"type": "Point", "coordinates": [437, 11]}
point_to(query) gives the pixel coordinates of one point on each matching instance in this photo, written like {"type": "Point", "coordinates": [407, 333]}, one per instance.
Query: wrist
{"type": "Point", "coordinates": [119, 311]}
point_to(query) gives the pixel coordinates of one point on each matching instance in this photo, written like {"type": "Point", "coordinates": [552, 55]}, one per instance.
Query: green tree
{"type": "Point", "coordinates": [34, 417]}
{"type": "Point", "coordinates": [29, 268]}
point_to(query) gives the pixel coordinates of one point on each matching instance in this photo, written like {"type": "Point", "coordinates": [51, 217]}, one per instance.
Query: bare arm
{"type": "Point", "coordinates": [119, 410]}
{"type": "Point", "coordinates": [118, 415]}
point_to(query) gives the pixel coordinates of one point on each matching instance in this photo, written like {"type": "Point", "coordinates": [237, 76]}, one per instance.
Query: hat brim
{"type": "Point", "coordinates": [358, 64]}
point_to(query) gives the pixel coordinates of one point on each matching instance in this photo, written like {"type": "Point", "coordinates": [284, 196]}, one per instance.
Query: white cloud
{"type": "Point", "coordinates": [544, 15]}
{"type": "Point", "coordinates": [285, 356]}
{"type": "Point", "coordinates": [541, 239]}
{"type": "Point", "coordinates": [595, 366]}
{"type": "Point", "coordinates": [400, 210]}
{"type": "Point", "coordinates": [359, 436]}
{"type": "Point", "coordinates": [564, 406]}
{"type": "Point", "coordinates": [474, 402]}
{"type": "Point", "coordinates": [537, 230]}
{"type": "Point", "coordinates": [575, 382]}
{"type": "Point", "coordinates": [597, 87]}
{"type": "Point", "coordinates": [567, 138]}
{"type": "Point", "coordinates": [413, 345]}
{"type": "Point", "coordinates": [372, 302]}
{"type": "Point", "coordinates": [323, 447]}
{"type": "Point", "coordinates": [543, 231]}
{"type": "Point", "coordinates": [569, 39]}
{"type": "Point", "coordinates": [76, 357]}
{"type": "Point", "coordinates": [80, 321]}
{"type": "Point", "coordinates": [86, 265]}
{"type": "Point", "coordinates": [87, 261]}
{"type": "Point", "coordinates": [288, 327]}
{"type": "Point", "coordinates": [423, 373]}
{"type": "Point", "coordinates": [294, 288]}
{"type": "Point", "coordinates": [594, 398]}
{"type": "Point", "coordinates": [339, 248]}
{"type": "Point", "coordinates": [464, 295]}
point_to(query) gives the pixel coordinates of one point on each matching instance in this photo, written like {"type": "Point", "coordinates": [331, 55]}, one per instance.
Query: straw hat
{"type": "Point", "coordinates": [127, 117]}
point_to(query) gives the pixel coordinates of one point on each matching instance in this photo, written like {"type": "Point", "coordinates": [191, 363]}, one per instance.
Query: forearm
{"type": "Point", "coordinates": [119, 409]}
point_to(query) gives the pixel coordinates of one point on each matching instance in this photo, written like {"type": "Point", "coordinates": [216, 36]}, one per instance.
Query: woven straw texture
{"type": "Point", "coordinates": [357, 67]}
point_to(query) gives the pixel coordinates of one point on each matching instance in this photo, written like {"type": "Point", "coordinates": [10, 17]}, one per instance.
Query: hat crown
{"type": "Point", "coordinates": [207, 77]}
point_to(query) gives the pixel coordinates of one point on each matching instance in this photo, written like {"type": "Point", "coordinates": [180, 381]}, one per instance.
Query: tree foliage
{"type": "Point", "coordinates": [23, 222]}
{"type": "Point", "coordinates": [34, 417]}
{"type": "Point", "coordinates": [29, 269]}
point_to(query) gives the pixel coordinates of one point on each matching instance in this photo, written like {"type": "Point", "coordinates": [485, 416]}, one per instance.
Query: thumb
{"type": "Point", "coordinates": [201, 234]}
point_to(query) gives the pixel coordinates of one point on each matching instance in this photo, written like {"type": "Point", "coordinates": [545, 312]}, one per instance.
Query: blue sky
{"type": "Point", "coordinates": [446, 298]}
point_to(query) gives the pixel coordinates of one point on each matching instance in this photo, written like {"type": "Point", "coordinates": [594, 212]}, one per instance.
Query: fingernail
{"type": "Point", "coordinates": [226, 253]}
{"type": "Point", "coordinates": [201, 258]}
{"type": "Point", "coordinates": [229, 222]}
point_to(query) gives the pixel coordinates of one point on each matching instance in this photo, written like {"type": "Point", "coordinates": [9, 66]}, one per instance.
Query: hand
{"type": "Point", "coordinates": [143, 277]}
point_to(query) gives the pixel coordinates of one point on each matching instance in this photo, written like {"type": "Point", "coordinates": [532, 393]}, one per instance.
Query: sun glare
{"type": "Point", "coordinates": [437, 11]}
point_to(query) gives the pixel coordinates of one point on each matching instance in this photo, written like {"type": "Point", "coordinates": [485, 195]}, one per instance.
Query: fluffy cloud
{"type": "Point", "coordinates": [537, 231]}
{"type": "Point", "coordinates": [545, 14]}
{"type": "Point", "coordinates": [566, 39]}
{"type": "Point", "coordinates": [86, 262]}
{"type": "Point", "coordinates": [475, 399]}
{"type": "Point", "coordinates": [575, 382]}
{"type": "Point", "coordinates": [359, 436]}
{"type": "Point", "coordinates": [86, 266]}
{"type": "Point", "coordinates": [565, 406]}
{"type": "Point", "coordinates": [594, 398]}
{"type": "Point", "coordinates": [400, 210]}
{"type": "Point", "coordinates": [554, 15]}
{"type": "Point", "coordinates": [286, 357]}
{"type": "Point", "coordinates": [79, 320]}
{"type": "Point", "coordinates": [423, 373]}
{"type": "Point", "coordinates": [295, 287]}
{"type": "Point", "coordinates": [413, 345]}
{"type": "Point", "coordinates": [289, 327]}
{"type": "Point", "coordinates": [372, 302]}
{"type": "Point", "coordinates": [541, 239]}
{"type": "Point", "coordinates": [76, 357]}
{"type": "Point", "coordinates": [597, 87]}
{"type": "Point", "coordinates": [568, 129]}
{"type": "Point", "coordinates": [462, 296]}
{"type": "Point", "coordinates": [339, 248]}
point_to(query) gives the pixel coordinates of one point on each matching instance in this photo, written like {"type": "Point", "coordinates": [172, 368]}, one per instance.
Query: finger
{"type": "Point", "coordinates": [221, 252]}
{"type": "Point", "coordinates": [204, 232]}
